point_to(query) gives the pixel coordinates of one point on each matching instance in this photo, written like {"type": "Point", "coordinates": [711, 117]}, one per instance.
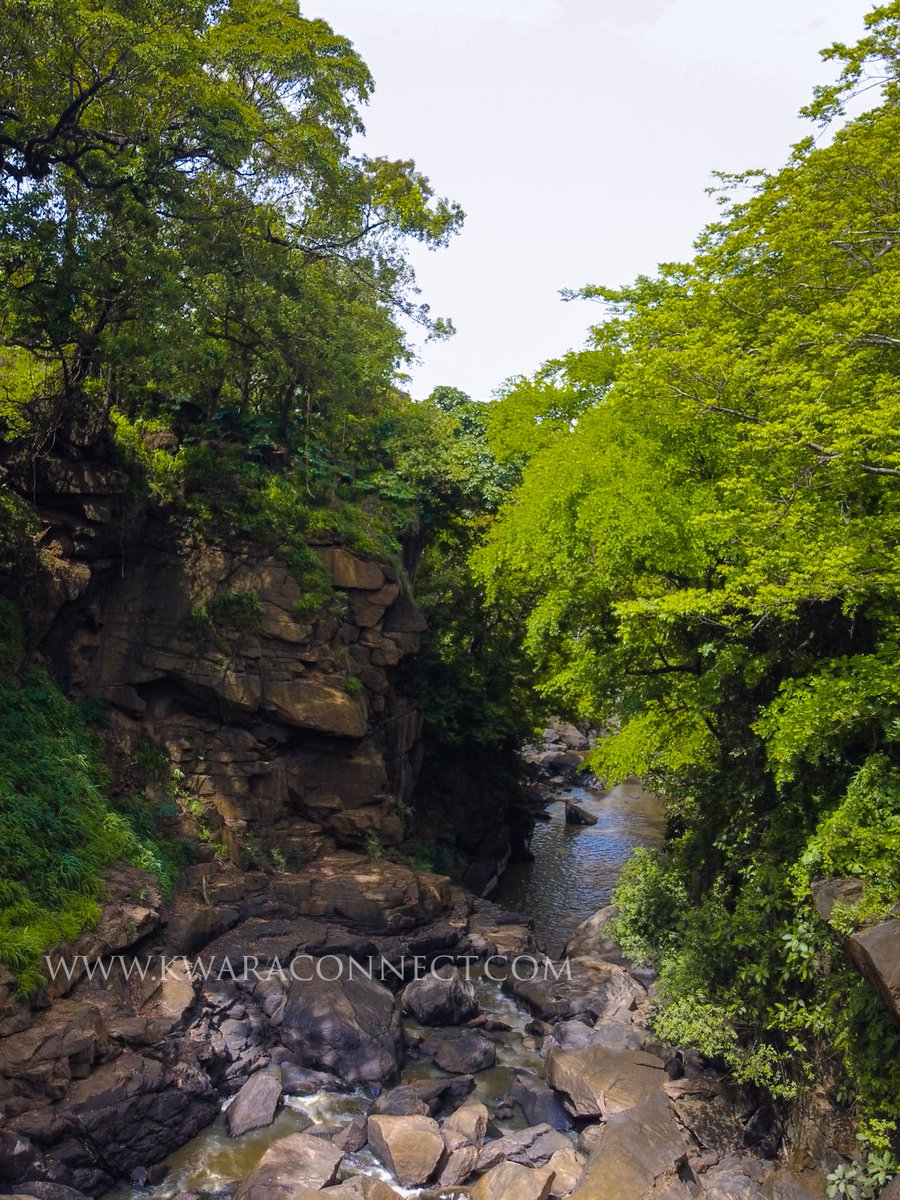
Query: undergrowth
{"type": "Point", "coordinates": [61, 823]}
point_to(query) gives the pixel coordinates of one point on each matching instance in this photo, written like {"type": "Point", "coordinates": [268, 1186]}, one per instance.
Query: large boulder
{"type": "Point", "coordinates": [531, 1147]}
{"type": "Point", "coordinates": [598, 1082]}
{"type": "Point", "coordinates": [348, 1026]}
{"type": "Point", "coordinates": [587, 987]}
{"type": "Point", "coordinates": [291, 1168]}
{"type": "Point", "coordinates": [461, 1051]}
{"type": "Point", "coordinates": [410, 1147]}
{"type": "Point", "coordinates": [577, 814]}
{"type": "Point", "coordinates": [442, 997]}
{"type": "Point", "coordinates": [255, 1104]}
{"type": "Point", "coordinates": [510, 1180]}
{"type": "Point", "coordinates": [640, 1154]}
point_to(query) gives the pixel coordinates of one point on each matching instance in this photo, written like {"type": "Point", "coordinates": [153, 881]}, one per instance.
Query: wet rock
{"type": "Point", "coordinates": [532, 1147]}
{"type": "Point", "coordinates": [509, 1179]}
{"type": "Point", "coordinates": [442, 997]}
{"type": "Point", "coordinates": [255, 1105]}
{"type": "Point", "coordinates": [728, 1180]}
{"type": "Point", "coordinates": [135, 1110]}
{"type": "Point", "coordinates": [410, 1147]}
{"type": "Point", "coordinates": [348, 1026]}
{"type": "Point", "coordinates": [577, 814]}
{"type": "Point", "coordinates": [641, 1153]}
{"type": "Point", "coordinates": [301, 1081]}
{"type": "Point", "coordinates": [422, 1097]}
{"type": "Point", "coordinates": [598, 1082]}
{"type": "Point", "coordinates": [539, 1103]}
{"type": "Point", "coordinates": [291, 1166]}
{"type": "Point", "coordinates": [462, 1051]}
{"type": "Point", "coordinates": [48, 1191]}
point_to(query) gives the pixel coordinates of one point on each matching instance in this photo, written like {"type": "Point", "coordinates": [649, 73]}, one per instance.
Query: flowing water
{"type": "Point", "coordinates": [573, 873]}
{"type": "Point", "coordinates": [576, 866]}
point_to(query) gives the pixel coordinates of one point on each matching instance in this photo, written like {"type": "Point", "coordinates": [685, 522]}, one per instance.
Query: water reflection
{"type": "Point", "coordinates": [576, 866]}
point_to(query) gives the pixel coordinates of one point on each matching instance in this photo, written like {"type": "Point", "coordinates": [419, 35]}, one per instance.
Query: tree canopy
{"type": "Point", "coordinates": [707, 528]}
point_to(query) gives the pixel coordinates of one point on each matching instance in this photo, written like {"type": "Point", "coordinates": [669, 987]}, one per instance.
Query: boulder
{"type": "Point", "coordinates": [291, 1167]}
{"type": "Point", "coordinates": [539, 1102]}
{"type": "Point", "coordinates": [510, 1180]}
{"type": "Point", "coordinates": [531, 1147]}
{"type": "Point", "coordinates": [353, 1136]}
{"type": "Point", "coordinates": [348, 1026]}
{"type": "Point", "coordinates": [459, 1161]}
{"type": "Point", "coordinates": [577, 814]}
{"type": "Point", "coordinates": [461, 1051]}
{"type": "Point", "coordinates": [876, 952]}
{"type": "Point", "coordinates": [567, 1165]}
{"type": "Point", "coordinates": [410, 1147]}
{"type": "Point", "coordinates": [422, 1097]}
{"type": "Point", "coordinates": [641, 1153]}
{"type": "Point", "coordinates": [598, 1082]}
{"type": "Point", "coordinates": [441, 998]}
{"type": "Point", "coordinates": [587, 987]}
{"type": "Point", "coordinates": [591, 938]}
{"type": "Point", "coordinates": [470, 1121]}
{"type": "Point", "coordinates": [255, 1105]}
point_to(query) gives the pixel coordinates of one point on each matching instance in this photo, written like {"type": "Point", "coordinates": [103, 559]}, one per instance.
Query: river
{"type": "Point", "coordinates": [576, 866]}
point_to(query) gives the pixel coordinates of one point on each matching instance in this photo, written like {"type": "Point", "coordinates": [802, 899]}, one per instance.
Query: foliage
{"type": "Point", "coordinates": [705, 532]}
{"type": "Point", "coordinates": [61, 826]}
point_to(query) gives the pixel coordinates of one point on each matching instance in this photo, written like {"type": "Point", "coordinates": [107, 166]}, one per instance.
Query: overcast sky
{"type": "Point", "coordinates": [579, 136]}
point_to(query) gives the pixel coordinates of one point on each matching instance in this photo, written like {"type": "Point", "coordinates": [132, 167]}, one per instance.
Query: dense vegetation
{"type": "Point", "coordinates": [201, 283]}
{"type": "Point", "coordinates": [706, 531]}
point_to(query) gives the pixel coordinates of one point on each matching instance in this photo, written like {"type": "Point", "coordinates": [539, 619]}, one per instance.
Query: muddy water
{"type": "Point", "coordinates": [576, 866]}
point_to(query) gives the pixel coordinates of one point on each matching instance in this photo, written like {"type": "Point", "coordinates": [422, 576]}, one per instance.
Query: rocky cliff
{"type": "Point", "coordinates": [282, 721]}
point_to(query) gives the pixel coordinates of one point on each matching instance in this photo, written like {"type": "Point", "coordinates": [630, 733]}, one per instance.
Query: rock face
{"type": "Point", "coordinates": [282, 716]}
{"type": "Point", "coordinates": [441, 998]}
{"type": "Point", "coordinates": [255, 1104]}
{"type": "Point", "coordinates": [410, 1147]}
{"type": "Point", "coordinates": [291, 1168]}
{"type": "Point", "coordinates": [348, 1025]}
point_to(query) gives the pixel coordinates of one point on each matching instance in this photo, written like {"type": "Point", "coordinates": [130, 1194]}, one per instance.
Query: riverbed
{"type": "Point", "coordinates": [572, 875]}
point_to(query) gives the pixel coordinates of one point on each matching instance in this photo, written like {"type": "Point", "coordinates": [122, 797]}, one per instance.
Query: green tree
{"type": "Point", "coordinates": [707, 535]}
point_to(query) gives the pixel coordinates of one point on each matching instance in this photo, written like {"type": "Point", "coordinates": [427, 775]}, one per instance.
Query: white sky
{"type": "Point", "coordinates": [579, 136]}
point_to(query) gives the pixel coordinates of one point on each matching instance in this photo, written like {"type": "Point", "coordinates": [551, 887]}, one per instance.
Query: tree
{"type": "Point", "coordinates": [183, 221]}
{"type": "Point", "coordinates": [709, 544]}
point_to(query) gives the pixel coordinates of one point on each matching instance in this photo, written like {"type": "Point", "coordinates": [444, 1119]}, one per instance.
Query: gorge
{"type": "Point", "coordinates": [585, 694]}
